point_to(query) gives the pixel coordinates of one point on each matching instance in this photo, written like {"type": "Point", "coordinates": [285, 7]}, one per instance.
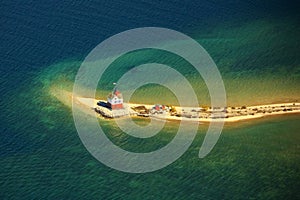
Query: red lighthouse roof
{"type": "Point", "coordinates": [117, 92]}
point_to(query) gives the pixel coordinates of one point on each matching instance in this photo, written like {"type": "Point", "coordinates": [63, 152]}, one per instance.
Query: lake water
{"type": "Point", "coordinates": [254, 44]}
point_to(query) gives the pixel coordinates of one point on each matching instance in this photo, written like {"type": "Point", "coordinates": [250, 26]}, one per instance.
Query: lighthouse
{"type": "Point", "coordinates": [115, 99]}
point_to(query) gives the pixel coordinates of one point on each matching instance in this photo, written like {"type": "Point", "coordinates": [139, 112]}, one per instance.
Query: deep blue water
{"type": "Point", "coordinates": [41, 154]}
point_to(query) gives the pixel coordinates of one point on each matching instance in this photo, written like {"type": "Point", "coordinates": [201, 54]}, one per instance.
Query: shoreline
{"type": "Point", "coordinates": [198, 114]}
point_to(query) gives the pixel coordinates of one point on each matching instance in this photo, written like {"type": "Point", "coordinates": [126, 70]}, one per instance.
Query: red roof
{"type": "Point", "coordinates": [117, 92]}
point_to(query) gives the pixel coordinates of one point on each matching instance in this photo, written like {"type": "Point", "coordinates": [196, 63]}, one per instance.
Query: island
{"type": "Point", "coordinates": [114, 107]}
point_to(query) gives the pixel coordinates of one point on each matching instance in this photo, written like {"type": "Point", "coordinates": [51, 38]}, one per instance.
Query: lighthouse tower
{"type": "Point", "coordinates": [115, 99]}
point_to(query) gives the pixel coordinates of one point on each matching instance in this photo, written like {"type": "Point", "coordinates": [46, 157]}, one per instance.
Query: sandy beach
{"type": "Point", "coordinates": [227, 114]}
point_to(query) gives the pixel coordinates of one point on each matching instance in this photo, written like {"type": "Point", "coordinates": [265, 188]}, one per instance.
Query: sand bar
{"type": "Point", "coordinates": [208, 114]}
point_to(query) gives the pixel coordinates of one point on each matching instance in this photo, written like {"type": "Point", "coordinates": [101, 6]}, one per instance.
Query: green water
{"type": "Point", "coordinates": [42, 155]}
{"type": "Point", "coordinates": [256, 159]}
{"type": "Point", "coordinates": [251, 63]}
{"type": "Point", "coordinates": [263, 87]}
